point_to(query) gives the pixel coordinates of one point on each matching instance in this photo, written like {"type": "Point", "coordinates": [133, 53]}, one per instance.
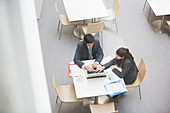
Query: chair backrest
{"type": "Point", "coordinates": [116, 6]}
{"type": "Point", "coordinates": [95, 27]}
{"type": "Point", "coordinates": [142, 70]}
{"type": "Point", "coordinates": [56, 7]}
{"type": "Point", "coordinates": [55, 83]}
{"type": "Point", "coordinates": [117, 111]}
{"type": "Point", "coordinates": [168, 22]}
{"type": "Point", "coordinates": [103, 108]}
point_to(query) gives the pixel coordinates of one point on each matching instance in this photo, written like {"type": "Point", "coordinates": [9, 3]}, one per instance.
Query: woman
{"type": "Point", "coordinates": [125, 60]}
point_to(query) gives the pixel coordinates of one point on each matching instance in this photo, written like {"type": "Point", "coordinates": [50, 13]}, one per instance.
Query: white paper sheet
{"type": "Point", "coordinates": [76, 71]}
{"type": "Point", "coordinates": [115, 87]}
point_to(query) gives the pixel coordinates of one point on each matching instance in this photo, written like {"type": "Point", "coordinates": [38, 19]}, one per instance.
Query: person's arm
{"type": "Point", "coordinates": [77, 57]}
{"type": "Point", "coordinates": [107, 65]}
{"type": "Point", "coordinates": [112, 62]}
{"type": "Point", "coordinates": [125, 70]}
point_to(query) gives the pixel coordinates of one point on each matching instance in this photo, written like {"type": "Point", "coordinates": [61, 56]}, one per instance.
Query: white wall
{"type": "Point", "coordinates": [38, 7]}
{"type": "Point", "coordinates": [23, 86]}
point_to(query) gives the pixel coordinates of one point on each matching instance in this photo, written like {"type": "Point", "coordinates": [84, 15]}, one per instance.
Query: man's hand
{"type": "Point", "coordinates": [94, 65]}
{"type": "Point", "coordinates": [112, 67]}
{"type": "Point", "coordinates": [99, 69]}
{"type": "Point", "coordinates": [88, 68]}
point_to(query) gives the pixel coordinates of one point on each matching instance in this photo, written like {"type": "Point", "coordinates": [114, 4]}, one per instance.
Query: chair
{"type": "Point", "coordinates": [140, 76]}
{"type": "Point", "coordinates": [63, 20]}
{"type": "Point", "coordinates": [112, 13]}
{"type": "Point", "coordinates": [65, 93]}
{"type": "Point", "coordinates": [168, 22]}
{"type": "Point", "coordinates": [103, 108]}
{"type": "Point", "coordinates": [93, 28]}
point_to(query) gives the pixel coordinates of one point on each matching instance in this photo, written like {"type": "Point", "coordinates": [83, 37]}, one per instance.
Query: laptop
{"type": "Point", "coordinates": [95, 74]}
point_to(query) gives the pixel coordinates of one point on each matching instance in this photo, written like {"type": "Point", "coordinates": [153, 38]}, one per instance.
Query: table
{"type": "Point", "coordinates": [84, 9]}
{"type": "Point", "coordinates": [92, 87]}
{"type": "Point", "coordinates": [160, 8]}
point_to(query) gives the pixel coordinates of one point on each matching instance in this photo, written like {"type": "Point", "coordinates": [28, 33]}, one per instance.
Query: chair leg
{"type": "Point", "coordinates": [139, 92]}
{"type": "Point", "coordinates": [58, 25]}
{"type": "Point", "coordinates": [61, 32]}
{"type": "Point", "coordinates": [149, 13]}
{"type": "Point", "coordinates": [57, 99]}
{"type": "Point", "coordinates": [60, 107]}
{"type": "Point", "coordinates": [116, 25]}
{"type": "Point", "coordinates": [144, 5]}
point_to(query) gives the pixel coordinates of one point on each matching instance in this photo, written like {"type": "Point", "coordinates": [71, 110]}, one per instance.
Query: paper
{"type": "Point", "coordinates": [115, 88]}
{"type": "Point", "coordinates": [76, 71]}
{"type": "Point", "coordinates": [106, 60]}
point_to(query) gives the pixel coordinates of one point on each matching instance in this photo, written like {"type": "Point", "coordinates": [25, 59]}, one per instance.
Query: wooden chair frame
{"type": "Point", "coordinates": [140, 76]}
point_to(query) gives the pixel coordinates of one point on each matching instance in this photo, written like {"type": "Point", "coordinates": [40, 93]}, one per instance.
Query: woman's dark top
{"type": "Point", "coordinates": [129, 70]}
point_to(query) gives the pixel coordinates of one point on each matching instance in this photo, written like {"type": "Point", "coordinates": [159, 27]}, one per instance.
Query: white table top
{"type": "Point", "coordinates": [93, 87]}
{"type": "Point", "coordinates": [84, 9]}
{"type": "Point", "coordinates": [160, 7]}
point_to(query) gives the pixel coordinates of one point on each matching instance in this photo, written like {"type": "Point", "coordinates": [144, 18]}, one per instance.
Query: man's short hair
{"type": "Point", "coordinates": [88, 38]}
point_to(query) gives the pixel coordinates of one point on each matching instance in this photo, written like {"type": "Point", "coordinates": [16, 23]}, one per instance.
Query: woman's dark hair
{"type": "Point", "coordinates": [88, 38]}
{"type": "Point", "coordinates": [124, 52]}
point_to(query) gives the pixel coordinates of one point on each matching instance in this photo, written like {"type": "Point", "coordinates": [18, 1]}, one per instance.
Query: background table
{"type": "Point", "coordinates": [84, 9]}
{"type": "Point", "coordinates": [160, 8]}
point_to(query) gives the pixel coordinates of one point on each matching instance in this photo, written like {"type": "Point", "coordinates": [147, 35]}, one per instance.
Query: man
{"type": "Point", "coordinates": [86, 50]}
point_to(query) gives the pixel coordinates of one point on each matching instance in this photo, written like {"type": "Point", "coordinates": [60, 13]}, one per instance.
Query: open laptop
{"type": "Point", "coordinates": [95, 74]}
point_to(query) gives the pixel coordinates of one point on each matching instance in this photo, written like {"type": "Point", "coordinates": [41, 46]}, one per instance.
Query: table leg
{"type": "Point", "coordinates": [96, 100]}
{"type": "Point", "coordinates": [162, 25]}
{"type": "Point", "coordinates": [77, 32]}
{"type": "Point", "coordinates": [158, 24]}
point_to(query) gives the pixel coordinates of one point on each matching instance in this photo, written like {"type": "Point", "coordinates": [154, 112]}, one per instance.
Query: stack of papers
{"type": "Point", "coordinates": [75, 71]}
{"type": "Point", "coordinates": [115, 88]}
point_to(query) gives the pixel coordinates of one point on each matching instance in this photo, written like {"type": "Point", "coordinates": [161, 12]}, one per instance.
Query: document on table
{"type": "Point", "coordinates": [76, 71]}
{"type": "Point", "coordinates": [115, 88]}
{"type": "Point", "coordinates": [106, 60]}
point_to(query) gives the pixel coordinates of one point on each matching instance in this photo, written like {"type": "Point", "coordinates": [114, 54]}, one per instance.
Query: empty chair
{"type": "Point", "coordinates": [103, 108]}
{"type": "Point", "coordinates": [140, 76]}
{"type": "Point", "coordinates": [63, 20]}
{"type": "Point", "coordinates": [65, 93]}
{"type": "Point", "coordinates": [112, 13]}
{"type": "Point", "coordinates": [93, 28]}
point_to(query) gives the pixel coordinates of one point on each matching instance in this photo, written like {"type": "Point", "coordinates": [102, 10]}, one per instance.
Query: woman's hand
{"type": "Point", "coordinates": [112, 67]}
{"type": "Point", "coordinates": [99, 69]}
